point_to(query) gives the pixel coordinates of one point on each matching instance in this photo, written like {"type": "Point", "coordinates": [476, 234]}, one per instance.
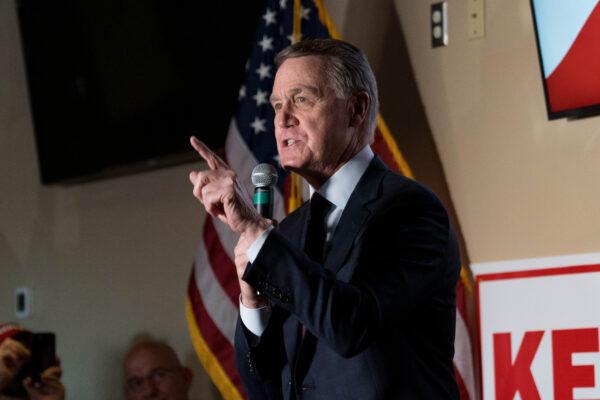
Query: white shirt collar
{"type": "Point", "coordinates": [338, 188]}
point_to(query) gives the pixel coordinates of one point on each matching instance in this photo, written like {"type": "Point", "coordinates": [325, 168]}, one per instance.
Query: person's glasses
{"type": "Point", "coordinates": [136, 384]}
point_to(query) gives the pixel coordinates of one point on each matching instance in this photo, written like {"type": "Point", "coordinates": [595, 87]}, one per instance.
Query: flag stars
{"type": "Point", "coordinates": [282, 4]}
{"type": "Point", "coordinates": [258, 125]}
{"type": "Point", "coordinates": [293, 40]}
{"type": "Point", "coordinates": [260, 97]}
{"type": "Point", "coordinates": [242, 92]}
{"type": "Point", "coordinates": [264, 71]}
{"type": "Point", "coordinates": [304, 12]}
{"type": "Point", "coordinates": [269, 17]}
{"type": "Point", "coordinates": [266, 43]}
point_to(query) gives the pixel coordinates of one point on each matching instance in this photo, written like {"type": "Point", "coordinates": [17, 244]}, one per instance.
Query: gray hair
{"type": "Point", "coordinates": [347, 69]}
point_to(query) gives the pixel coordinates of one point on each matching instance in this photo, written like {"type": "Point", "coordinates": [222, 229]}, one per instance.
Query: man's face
{"type": "Point", "coordinates": [13, 355]}
{"type": "Point", "coordinates": [313, 126]}
{"type": "Point", "coordinates": [154, 373]}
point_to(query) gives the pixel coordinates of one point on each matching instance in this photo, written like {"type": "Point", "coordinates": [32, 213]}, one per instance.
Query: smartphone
{"type": "Point", "coordinates": [43, 356]}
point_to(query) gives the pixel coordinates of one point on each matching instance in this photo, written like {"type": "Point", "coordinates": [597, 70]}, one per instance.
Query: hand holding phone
{"type": "Point", "coordinates": [50, 387]}
{"type": "Point", "coordinates": [43, 356]}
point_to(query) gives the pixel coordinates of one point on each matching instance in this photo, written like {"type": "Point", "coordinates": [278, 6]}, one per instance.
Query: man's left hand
{"type": "Point", "coordinates": [249, 296]}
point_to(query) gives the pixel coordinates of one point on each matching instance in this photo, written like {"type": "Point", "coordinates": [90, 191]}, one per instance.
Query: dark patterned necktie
{"type": "Point", "coordinates": [316, 233]}
{"type": "Point", "coordinates": [314, 246]}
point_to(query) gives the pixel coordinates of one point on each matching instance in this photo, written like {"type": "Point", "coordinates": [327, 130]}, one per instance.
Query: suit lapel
{"type": "Point", "coordinates": [355, 214]}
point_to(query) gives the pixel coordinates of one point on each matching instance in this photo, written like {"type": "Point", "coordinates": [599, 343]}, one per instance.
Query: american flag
{"type": "Point", "coordinates": [212, 306]}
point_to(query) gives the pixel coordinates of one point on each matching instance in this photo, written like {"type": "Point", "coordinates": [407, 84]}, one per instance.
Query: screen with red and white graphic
{"type": "Point", "coordinates": [568, 37]}
{"type": "Point", "coordinates": [540, 332]}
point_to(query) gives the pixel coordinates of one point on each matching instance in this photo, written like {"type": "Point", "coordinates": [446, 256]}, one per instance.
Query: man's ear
{"type": "Point", "coordinates": [358, 106]}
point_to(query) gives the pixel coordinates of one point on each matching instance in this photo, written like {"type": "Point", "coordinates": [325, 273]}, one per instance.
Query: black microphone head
{"type": "Point", "coordinates": [264, 175]}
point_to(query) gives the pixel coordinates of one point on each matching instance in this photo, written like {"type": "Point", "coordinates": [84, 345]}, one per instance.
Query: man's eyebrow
{"type": "Point", "coordinates": [297, 90]}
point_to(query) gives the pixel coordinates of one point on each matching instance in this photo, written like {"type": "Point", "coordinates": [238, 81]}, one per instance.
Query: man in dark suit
{"type": "Point", "coordinates": [353, 295]}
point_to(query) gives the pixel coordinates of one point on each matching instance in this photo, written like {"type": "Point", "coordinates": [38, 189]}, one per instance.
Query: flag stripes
{"type": "Point", "coordinates": [226, 379]}
{"type": "Point", "coordinates": [221, 263]}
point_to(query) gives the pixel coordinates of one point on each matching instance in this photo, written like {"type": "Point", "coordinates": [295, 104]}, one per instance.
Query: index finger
{"type": "Point", "coordinates": [213, 160]}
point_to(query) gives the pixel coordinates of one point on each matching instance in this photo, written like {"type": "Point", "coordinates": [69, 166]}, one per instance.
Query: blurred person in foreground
{"type": "Point", "coordinates": [14, 355]}
{"type": "Point", "coordinates": [352, 296]}
{"type": "Point", "coordinates": [152, 370]}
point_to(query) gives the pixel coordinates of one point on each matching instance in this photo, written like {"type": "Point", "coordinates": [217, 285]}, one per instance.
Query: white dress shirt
{"type": "Point", "coordinates": [337, 189]}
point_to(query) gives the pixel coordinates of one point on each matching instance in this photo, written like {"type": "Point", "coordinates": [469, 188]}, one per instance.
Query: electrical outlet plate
{"type": "Point", "coordinates": [475, 19]}
{"type": "Point", "coordinates": [439, 24]}
{"type": "Point", "coordinates": [23, 302]}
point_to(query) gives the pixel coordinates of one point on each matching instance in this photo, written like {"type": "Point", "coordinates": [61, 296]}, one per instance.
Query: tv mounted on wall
{"type": "Point", "coordinates": [568, 41]}
{"type": "Point", "coordinates": [119, 86]}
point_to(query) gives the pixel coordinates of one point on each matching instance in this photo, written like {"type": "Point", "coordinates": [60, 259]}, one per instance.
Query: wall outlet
{"type": "Point", "coordinates": [23, 302]}
{"type": "Point", "coordinates": [475, 19]}
{"type": "Point", "coordinates": [439, 24]}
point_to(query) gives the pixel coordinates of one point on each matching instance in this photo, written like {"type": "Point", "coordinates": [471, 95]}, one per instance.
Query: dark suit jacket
{"type": "Point", "coordinates": [380, 310]}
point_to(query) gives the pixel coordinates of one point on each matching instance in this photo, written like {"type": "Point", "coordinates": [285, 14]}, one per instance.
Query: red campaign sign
{"type": "Point", "coordinates": [539, 333]}
{"type": "Point", "coordinates": [515, 376]}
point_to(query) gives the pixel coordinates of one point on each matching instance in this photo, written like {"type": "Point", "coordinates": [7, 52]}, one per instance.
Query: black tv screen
{"type": "Point", "coordinates": [118, 86]}
{"type": "Point", "coordinates": [568, 39]}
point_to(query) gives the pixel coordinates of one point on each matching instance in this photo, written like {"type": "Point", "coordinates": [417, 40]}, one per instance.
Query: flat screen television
{"type": "Point", "coordinates": [118, 86]}
{"type": "Point", "coordinates": [568, 41]}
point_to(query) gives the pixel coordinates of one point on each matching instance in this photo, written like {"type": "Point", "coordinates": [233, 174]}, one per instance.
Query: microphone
{"type": "Point", "coordinates": [264, 177]}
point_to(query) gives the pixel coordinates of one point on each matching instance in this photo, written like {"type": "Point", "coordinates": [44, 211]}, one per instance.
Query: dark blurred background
{"type": "Point", "coordinates": [118, 86]}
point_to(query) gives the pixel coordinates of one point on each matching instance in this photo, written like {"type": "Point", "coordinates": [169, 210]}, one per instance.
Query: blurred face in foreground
{"type": "Point", "coordinates": [13, 355]}
{"type": "Point", "coordinates": [152, 371]}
